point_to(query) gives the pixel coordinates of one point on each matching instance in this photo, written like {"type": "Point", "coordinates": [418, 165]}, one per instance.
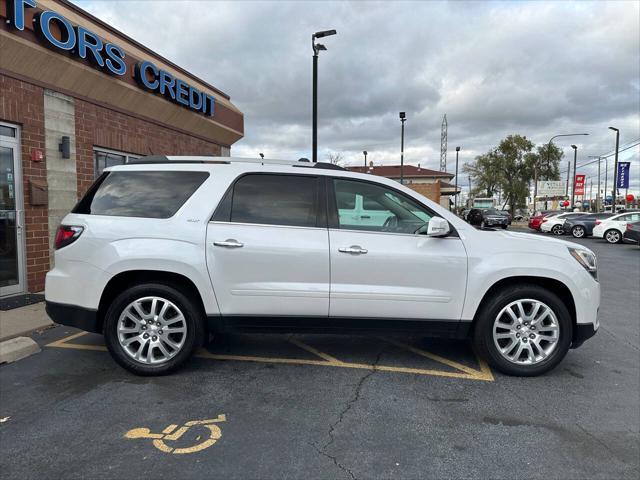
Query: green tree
{"type": "Point", "coordinates": [485, 174]}
{"type": "Point", "coordinates": [544, 163]}
{"type": "Point", "coordinates": [515, 172]}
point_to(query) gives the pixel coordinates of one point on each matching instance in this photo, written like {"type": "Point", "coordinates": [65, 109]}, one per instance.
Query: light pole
{"type": "Point", "coordinates": [598, 186]}
{"type": "Point", "coordinates": [317, 47]}
{"type": "Point", "coordinates": [364, 152]}
{"type": "Point", "coordinates": [455, 202]}
{"type": "Point", "coordinates": [615, 171]}
{"type": "Point", "coordinates": [402, 120]}
{"type": "Point", "coordinates": [261, 155]}
{"type": "Point", "coordinates": [606, 178]}
{"type": "Point", "coordinates": [573, 190]}
{"type": "Point", "coordinates": [566, 192]}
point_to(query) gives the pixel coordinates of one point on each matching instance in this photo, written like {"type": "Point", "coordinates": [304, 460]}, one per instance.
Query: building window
{"type": "Point", "coordinates": [104, 158]}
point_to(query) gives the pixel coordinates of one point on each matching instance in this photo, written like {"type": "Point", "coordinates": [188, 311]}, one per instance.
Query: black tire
{"type": "Point", "coordinates": [578, 231]}
{"type": "Point", "coordinates": [504, 227]}
{"type": "Point", "coordinates": [483, 329]}
{"type": "Point", "coordinates": [612, 236]}
{"type": "Point", "coordinates": [192, 313]}
{"type": "Point", "coordinates": [557, 230]}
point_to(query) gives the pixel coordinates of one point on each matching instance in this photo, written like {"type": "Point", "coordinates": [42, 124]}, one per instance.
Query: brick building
{"type": "Point", "coordinates": [77, 96]}
{"type": "Point", "coordinates": [433, 184]}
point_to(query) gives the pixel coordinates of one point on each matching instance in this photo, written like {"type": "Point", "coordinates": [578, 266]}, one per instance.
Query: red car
{"type": "Point", "coordinates": [536, 220]}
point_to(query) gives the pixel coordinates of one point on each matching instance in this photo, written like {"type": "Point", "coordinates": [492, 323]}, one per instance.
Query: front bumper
{"type": "Point", "coordinates": [74, 316]}
{"type": "Point", "coordinates": [582, 332]}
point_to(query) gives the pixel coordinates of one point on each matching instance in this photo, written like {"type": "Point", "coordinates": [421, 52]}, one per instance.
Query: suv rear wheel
{"type": "Point", "coordinates": [152, 329]}
{"type": "Point", "coordinates": [525, 330]}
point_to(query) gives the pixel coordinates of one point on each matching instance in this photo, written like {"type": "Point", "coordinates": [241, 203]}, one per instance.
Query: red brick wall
{"type": "Point", "coordinates": [100, 127]}
{"type": "Point", "coordinates": [429, 190]}
{"type": "Point", "coordinates": [23, 104]}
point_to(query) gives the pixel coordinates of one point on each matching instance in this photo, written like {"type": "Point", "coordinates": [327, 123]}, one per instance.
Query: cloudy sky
{"type": "Point", "coordinates": [495, 68]}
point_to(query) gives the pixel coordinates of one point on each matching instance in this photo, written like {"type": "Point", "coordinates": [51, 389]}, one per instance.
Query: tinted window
{"type": "Point", "coordinates": [275, 200]}
{"type": "Point", "coordinates": [384, 209]}
{"type": "Point", "coordinates": [140, 194]}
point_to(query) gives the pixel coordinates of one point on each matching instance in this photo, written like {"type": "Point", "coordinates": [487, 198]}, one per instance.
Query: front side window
{"type": "Point", "coordinates": [146, 194]}
{"type": "Point", "coordinates": [383, 209]}
{"type": "Point", "coordinates": [288, 200]}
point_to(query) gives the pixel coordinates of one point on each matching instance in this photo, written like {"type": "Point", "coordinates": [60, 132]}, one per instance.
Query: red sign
{"type": "Point", "coordinates": [579, 185]}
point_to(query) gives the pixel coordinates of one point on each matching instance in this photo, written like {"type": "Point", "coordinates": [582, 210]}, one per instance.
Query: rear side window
{"type": "Point", "coordinates": [140, 194]}
{"type": "Point", "coordinates": [289, 200]}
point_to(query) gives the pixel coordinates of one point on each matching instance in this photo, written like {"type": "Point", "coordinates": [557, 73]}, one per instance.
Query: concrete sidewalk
{"type": "Point", "coordinates": [23, 320]}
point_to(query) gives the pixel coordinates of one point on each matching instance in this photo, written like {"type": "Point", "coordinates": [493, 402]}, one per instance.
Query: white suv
{"type": "Point", "coordinates": [163, 252]}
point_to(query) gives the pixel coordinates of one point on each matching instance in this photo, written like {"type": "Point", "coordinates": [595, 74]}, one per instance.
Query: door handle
{"type": "Point", "coordinates": [229, 243]}
{"type": "Point", "coordinates": [355, 249]}
{"type": "Point", "coordinates": [365, 216]}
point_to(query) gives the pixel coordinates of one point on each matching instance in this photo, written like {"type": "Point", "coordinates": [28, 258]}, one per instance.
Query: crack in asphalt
{"type": "Point", "coordinates": [354, 399]}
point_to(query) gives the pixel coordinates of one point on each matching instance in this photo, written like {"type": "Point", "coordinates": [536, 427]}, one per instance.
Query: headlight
{"type": "Point", "coordinates": [587, 259]}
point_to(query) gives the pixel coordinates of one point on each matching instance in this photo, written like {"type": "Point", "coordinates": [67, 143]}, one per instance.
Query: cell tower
{"type": "Point", "coordinates": [443, 145]}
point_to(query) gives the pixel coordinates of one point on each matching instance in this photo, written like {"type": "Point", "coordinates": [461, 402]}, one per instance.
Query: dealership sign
{"type": "Point", "coordinates": [623, 174]}
{"type": "Point", "coordinates": [107, 56]}
{"type": "Point", "coordinates": [578, 186]}
{"type": "Point", "coordinates": [551, 188]}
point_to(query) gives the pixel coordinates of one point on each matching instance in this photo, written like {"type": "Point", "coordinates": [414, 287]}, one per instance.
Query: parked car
{"type": "Point", "coordinates": [632, 233]}
{"type": "Point", "coordinates": [555, 224]}
{"type": "Point", "coordinates": [536, 220]}
{"type": "Point", "coordinates": [582, 226]}
{"type": "Point", "coordinates": [492, 217]}
{"type": "Point", "coordinates": [164, 251]}
{"type": "Point", "coordinates": [612, 228]}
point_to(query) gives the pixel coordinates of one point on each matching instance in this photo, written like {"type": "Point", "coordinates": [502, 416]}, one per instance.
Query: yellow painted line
{"type": "Point", "coordinates": [437, 358]}
{"type": "Point", "coordinates": [484, 374]}
{"type": "Point", "coordinates": [63, 343]}
{"type": "Point", "coordinates": [310, 349]}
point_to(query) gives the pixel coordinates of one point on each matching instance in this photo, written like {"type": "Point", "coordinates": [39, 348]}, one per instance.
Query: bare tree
{"type": "Point", "coordinates": [334, 158]}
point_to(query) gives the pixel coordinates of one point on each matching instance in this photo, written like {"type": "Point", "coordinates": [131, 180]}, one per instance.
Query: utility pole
{"type": "Point", "coordinates": [365, 158]}
{"type": "Point", "coordinates": [606, 174]}
{"type": "Point", "coordinates": [455, 203]}
{"type": "Point", "coordinates": [598, 196]}
{"type": "Point", "coordinates": [317, 48]}
{"type": "Point", "coordinates": [573, 190]}
{"type": "Point", "coordinates": [615, 171]}
{"type": "Point", "coordinates": [566, 193]}
{"type": "Point", "coordinates": [403, 118]}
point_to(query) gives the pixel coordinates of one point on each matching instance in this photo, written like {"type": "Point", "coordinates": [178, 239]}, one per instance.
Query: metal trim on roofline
{"type": "Point", "coordinates": [164, 159]}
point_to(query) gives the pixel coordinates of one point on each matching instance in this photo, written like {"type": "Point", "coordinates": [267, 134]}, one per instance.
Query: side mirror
{"type": "Point", "coordinates": [438, 227]}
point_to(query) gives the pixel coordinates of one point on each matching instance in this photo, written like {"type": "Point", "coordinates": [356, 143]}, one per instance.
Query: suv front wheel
{"type": "Point", "coordinates": [152, 329]}
{"type": "Point", "coordinates": [524, 330]}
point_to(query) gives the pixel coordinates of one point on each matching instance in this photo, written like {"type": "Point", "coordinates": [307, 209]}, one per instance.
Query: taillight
{"type": "Point", "coordinates": [66, 235]}
{"type": "Point", "coordinates": [598, 222]}
{"type": "Point", "coordinates": [544, 220]}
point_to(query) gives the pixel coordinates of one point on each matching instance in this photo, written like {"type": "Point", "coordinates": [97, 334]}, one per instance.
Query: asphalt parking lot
{"type": "Point", "coordinates": [306, 406]}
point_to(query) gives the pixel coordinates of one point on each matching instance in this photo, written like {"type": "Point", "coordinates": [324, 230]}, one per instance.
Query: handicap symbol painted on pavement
{"type": "Point", "coordinates": [171, 434]}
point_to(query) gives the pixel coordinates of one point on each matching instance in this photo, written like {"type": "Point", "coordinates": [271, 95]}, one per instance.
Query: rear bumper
{"type": "Point", "coordinates": [583, 332]}
{"type": "Point", "coordinates": [74, 316]}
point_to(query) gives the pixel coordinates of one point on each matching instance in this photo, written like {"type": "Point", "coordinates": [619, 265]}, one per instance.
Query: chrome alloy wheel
{"type": "Point", "coordinates": [578, 231]}
{"type": "Point", "coordinates": [526, 332]}
{"type": "Point", "coordinates": [152, 330]}
{"type": "Point", "coordinates": [557, 230]}
{"type": "Point", "coordinates": [612, 236]}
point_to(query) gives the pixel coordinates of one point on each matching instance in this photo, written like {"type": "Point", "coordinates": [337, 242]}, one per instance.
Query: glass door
{"type": "Point", "coordinates": [11, 214]}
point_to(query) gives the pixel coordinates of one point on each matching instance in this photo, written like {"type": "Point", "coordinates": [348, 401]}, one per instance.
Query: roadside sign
{"type": "Point", "coordinates": [579, 184]}
{"type": "Point", "coordinates": [550, 188]}
{"type": "Point", "coordinates": [623, 174]}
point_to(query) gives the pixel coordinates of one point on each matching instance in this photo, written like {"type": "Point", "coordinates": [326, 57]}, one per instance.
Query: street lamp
{"type": "Point", "coordinates": [615, 171]}
{"type": "Point", "coordinates": [364, 152]}
{"type": "Point", "coordinates": [261, 155]}
{"type": "Point", "coordinates": [402, 120]}
{"type": "Point", "coordinates": [455, 201]}
{"type": "Point", "coordinates": [573, 190]}
{"type": "Point", "coordinates": [317, 47]}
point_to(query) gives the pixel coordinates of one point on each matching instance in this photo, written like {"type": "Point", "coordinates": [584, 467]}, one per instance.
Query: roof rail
{"type": "Point", "coordinates": [163, 159]}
